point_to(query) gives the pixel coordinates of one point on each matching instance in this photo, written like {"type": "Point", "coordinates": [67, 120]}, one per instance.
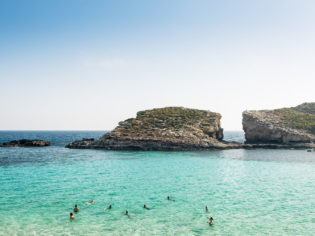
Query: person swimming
{"type": "Point", "coordinates": [91, 202]}
{"type": "Point", "coordinates": [145, 207]}
{"type": "Point", "coordinates": [207, 209]}
{"type": "Point", "coordinates": [211, 221]}
{"type": "Point", "coordinates": [170, 199]}
{"type": "Point", "coordinates": [127, 213]}
{"type": "Point", "coordinates": [76, 208]}
{"type": "Point", "coordinates": [71, 216]}
{"type": "Point", "coordinates": [110, 207]}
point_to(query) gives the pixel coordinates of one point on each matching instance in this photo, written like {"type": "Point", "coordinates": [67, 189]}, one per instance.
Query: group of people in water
{"type": "Point", "coordinates": [76, 210]}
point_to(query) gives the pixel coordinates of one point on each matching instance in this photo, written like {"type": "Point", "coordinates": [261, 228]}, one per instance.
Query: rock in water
{"type": "Point", "coordinates": [284, 126]}
{"type": "Point", "coordinates": [26, 143]}
{"type": "Point", "coordinates": [169, 128]}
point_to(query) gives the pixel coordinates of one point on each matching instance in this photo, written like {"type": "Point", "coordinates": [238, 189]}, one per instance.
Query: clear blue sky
{"type": "Point", "coordinates": [89, 64]}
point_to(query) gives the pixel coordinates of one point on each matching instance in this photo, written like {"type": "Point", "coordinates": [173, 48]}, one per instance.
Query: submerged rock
{"type": "Point", "coordinates": [26, 143]}
{"type": "Point", "coordinates": [293, 126]}
{"type": "Point", "coordinates": [169, 128]}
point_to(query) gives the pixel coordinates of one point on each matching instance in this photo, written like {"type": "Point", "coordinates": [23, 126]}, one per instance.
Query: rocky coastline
{"type": "Point", "coordinates": [286, 126]}
{"type": "Point", "coordinates": [163, 129]}
{"type": "Point", "coordinates": [183, 129]}
{"type": "Point", "coordinates": [26, 143]}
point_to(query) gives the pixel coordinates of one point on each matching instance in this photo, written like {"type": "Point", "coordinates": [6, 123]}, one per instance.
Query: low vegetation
{"type": "Point", "coordinates": [306, 107]}
{"type": "Point", "coordinates": [152, 123]}
{"type": "Point", "coordinates": [299, 117]}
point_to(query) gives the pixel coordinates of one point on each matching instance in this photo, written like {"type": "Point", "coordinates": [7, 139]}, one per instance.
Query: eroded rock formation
{"type": "Point", "coordinates": [169, 128]}
{"type": "Point", "coordinates": [295, 125]}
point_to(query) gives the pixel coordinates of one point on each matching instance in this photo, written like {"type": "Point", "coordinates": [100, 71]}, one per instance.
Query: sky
{"type": "Point", "coordinates": [86, 65]}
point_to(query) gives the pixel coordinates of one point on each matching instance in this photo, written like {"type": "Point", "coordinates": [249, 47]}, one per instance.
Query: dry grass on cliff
{"type": "Point", "coordinates": [296, 119]}
{"type": "Point", "coordinates": [306, 107]}
{"type": "Point", "coordinates": [153, 122]}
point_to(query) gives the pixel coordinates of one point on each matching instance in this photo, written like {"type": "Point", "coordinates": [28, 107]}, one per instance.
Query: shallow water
{"type": "Point", "coordinates": [249, 192]}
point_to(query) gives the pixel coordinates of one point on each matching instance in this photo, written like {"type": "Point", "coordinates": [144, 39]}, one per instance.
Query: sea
{"type": "Point", "coordinates": [248, 192]}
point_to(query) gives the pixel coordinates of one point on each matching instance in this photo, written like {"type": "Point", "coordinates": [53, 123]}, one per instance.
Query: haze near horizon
{"type": "Point", "coordinates": [86, 65]}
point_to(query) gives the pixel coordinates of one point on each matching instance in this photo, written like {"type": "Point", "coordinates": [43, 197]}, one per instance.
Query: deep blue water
{"type": "Point", "coordinates": [57, 138]}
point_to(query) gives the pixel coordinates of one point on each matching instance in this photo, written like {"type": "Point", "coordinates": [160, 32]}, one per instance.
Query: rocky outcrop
{"type": "Point", "coordinates": [289, 126]}
{"type": "Point", "coordinates": [170, 128]}
{"type": "Point", "coordinates": [26, 143]}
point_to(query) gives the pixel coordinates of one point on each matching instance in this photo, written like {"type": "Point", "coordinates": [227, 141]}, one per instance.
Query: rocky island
{"type": "Point", "coordinates": [164, 129]}
{"type": "Point", "coordinates": [292, 127]}
{"type": "Point", "coordinates": [183, 129]}
{"type": "Point", "coordinates": [26, 143]}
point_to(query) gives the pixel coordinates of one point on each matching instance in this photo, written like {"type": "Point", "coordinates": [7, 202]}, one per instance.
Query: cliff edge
{"type": "Point", "coordinates": [283, 126]}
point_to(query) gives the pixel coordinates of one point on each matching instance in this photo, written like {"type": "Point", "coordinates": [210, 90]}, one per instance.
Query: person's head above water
{"type": "Point", "coordinates": [211, 221]}
{"type": "Point", "coordinates": [169, 198]}
{"type": "Point", "coordinates": [144, 206]}
{"type": "Point", "coordinates": [127, 212]}
{"type": "Point", "coordinates": [75, 205]}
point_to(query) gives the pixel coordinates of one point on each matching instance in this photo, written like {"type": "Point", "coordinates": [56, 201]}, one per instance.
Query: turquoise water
{"type": "Point", "coordinates": [248, 192]}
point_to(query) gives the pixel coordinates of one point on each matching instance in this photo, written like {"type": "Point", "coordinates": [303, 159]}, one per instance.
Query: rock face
{"type": "Point", "coordinates": [26, 143]}
{"type": "Point", "coordinates": [170, 128]}
{"type": "Point", "coordinates": [293, 125]}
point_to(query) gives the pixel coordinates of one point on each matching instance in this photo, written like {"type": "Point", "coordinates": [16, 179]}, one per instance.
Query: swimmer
{"type": "Point", "coordinates": [76, 208]}
{"type": "Point", "coordinates": [211, 221]}
{"type": "Point", "coordinates": [145, 207]}
{"type": "Point", "coordinates": [207, 209]}
{"type": "Point", "coordinates": [127, 213]}
{"type": "Point", "coordinates": [71, 216]}
{"type": "Point", "coordinates": [110, 207]}
{"type": "Point", "coordinates": [91, 202]}
{"type": "Point", "coordinates": [170, 199]}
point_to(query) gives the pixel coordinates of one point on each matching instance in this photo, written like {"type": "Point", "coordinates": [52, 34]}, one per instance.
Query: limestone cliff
{"type": "Point", "coordinates": [169, 128]}
{"type": "Point", "coordinates": [284, 126]}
